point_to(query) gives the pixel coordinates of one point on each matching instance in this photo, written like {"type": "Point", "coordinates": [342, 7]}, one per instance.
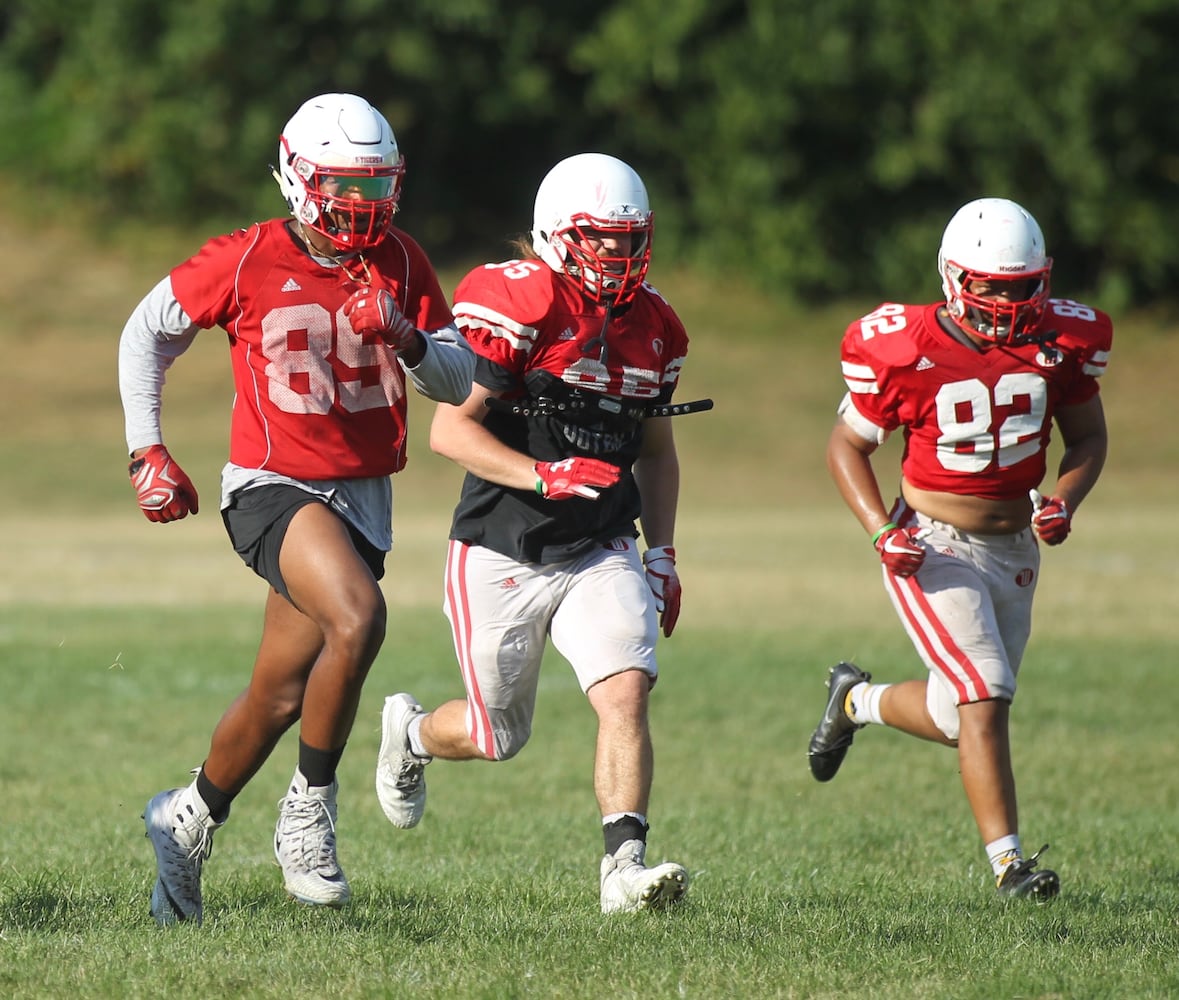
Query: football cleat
{"type": "Point", "coordinates": [182, 840]}
{"type": "Point", "coordinates": [305, 845]}
{"type": "Point", "coordinates": [401, 779]}
{"type": "Point", "coordinates": [833, 736]}
{"type": "Point", "coordinates": [1021, 880]}
{"type": "Point", "coordinates": [628, 885]}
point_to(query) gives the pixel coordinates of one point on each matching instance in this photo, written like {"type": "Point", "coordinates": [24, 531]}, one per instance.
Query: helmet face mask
{"type": "Point", "coordinates": [340, 170]}
{"type": "Point", "coordinates": [995, 272]}
{"type": "Point", "coordinates": [593, 223]}
{"type": "Point", "coordinates": [1008, 311]}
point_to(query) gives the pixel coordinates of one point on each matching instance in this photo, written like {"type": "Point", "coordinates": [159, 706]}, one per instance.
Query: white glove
{"type": "Point", "coordinates": [664, 581]}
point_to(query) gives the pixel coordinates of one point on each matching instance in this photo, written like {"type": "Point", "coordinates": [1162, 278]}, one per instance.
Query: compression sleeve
{"type": "Point", "coordinates": [155, 335]}
{"type": "Point", "coordinates": [446, 370]}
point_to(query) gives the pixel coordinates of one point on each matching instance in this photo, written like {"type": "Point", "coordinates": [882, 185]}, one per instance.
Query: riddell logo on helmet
{"type": "Point", "coordinates": [365, 161]}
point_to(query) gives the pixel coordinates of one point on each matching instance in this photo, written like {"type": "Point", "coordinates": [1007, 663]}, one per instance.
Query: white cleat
{"type": "Point", "coordinates": [628, 885]}
{"type": "Point", "coordinates": [305, 845]}
{"type": "Point", "coordinates": [401, 779]}
{"type": "Point", "coordinates": [182, 839]}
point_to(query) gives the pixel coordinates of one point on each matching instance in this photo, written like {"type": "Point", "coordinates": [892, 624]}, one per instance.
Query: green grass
{"type": "Point", "coordinates": [123, 642]}
{"type": "Point", "coordinates": [873, 885]}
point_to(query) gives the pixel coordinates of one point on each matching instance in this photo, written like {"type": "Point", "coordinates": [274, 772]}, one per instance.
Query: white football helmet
{"type": "Point", "coordinates": [995, 241]}
{"type": "Point", "coordinates": [592, 194]}
{"type": "Point", "coordinates": [340, 170]}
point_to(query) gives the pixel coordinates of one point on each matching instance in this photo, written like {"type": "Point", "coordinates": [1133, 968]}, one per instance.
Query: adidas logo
{"type": "Point", "coordinates": [567, 334]}
{"type": "Point", "coordinates": [924, 364]}
{"type": "Point", "coordinates": [291, 285]}
{"type": "Point", "coordinates": [509, 584]}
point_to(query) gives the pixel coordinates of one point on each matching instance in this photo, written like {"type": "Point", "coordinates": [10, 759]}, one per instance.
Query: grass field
{"type": "Point", "coordinates": [124, 641]}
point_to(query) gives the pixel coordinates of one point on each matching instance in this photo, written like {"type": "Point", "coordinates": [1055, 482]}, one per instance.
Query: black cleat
{"type": "Point", "coordinates": [1020, 879]}
{"type": "Point", "coordinates": [830, 741]}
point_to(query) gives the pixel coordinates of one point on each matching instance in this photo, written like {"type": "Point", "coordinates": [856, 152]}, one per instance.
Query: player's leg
{"type": "Point", "coordinates": [984, 761]}
{"type": "Point", "coordinates": [1012, 564]}
{"type": "Point", "coordinates": [499, 636]}
{"type": "Point", "coordinates": [331, 576]}
{"type": "Point", "coordinates": [332, 584]}
{"type": "Point", "coordinates": [180, 822]}
{"type": "Point", "coordinates": [623, 759]}
{"type": "Point", "coordinates": [606, 626]}
{"type": "Point", "coordinates": [904, 706]}
{"type": "Point", "coordinates": [853, 700]}
{"type": "Point", "coordinates": [445, 733]}
{"type": "Point", "coordinates": [251, 727]}
{"type": "Point", "coordinates": [951, 615]}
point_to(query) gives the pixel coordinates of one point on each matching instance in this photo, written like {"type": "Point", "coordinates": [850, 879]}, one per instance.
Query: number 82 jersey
{"type": "Point", "coordinates": [976, 421]}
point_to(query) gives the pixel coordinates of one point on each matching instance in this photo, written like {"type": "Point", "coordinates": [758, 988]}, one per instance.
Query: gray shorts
{"type": "Point", "coordinates": [257, 520]}
{"type": "Point", "coordinates": [968, 611]}
{"type": "Point", "coordinates": [597, 608]}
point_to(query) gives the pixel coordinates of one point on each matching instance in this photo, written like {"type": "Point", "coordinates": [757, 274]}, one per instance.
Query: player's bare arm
{"type": "Point", "coordinates": [849, 460]}
{"type": "Point", "coordinates": [1086, 440]}
{"type": "Point", "coordinates": [657, 472]}
{"type": "Point", "coordinates": [457, 433]}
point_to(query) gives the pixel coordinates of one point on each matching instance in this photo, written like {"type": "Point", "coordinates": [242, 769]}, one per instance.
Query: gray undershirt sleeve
{"type": "Point", "coordinates": [155, 335]}
{"type": "Point", "coordinates": [446, 371]}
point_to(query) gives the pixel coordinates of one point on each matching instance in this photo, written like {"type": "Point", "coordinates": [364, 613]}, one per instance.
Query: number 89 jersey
{"type": "Point", "coordinates": [976, 422]}
{"type": "Point", "coordinates": [313, 398]}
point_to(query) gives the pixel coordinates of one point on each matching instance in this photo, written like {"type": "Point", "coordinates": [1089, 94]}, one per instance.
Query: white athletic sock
{"type": "Point", "coordinates": [414, 734]}
{"type": "Point", "coordinates": [1002, 852]}
{"type": "Point", "coordinates": [864, 703]}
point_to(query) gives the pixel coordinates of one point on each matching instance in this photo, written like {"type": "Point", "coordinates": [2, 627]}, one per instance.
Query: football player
{"type": "Point", "coordinates": [328, 313]}
{"type": "Point", "coordinates": [976, 383]}
{"type": "Point", "coordinates": [563, 451]}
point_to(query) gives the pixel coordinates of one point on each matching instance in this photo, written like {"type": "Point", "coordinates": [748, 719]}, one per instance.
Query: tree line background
{"type": "Point", "coordinates": [816, 149]}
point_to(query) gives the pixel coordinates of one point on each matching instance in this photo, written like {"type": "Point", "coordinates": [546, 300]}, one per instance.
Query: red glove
{"type": "Point", "coordinates": [899, 549]}
{"type": "Point", "coordinates": [374, 309]}
{"type": "Point", "coordinates": [574, 477]}
{"type": "Point", "coordinates": [164, 492]}
{"type": "Point", "coordinates": [664, 582]}
{"type": "Point", "coordinates": [1051, 518]}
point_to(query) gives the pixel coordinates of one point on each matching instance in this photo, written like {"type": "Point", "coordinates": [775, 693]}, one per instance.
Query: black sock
{"type": "Point", "coordinates": [217, 800]}
{"type": "Point", "coordinates": [622, 830]}
{"type": "Point", "coordinates": [319, 766]}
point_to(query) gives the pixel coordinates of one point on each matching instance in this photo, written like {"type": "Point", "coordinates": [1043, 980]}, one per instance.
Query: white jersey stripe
{"type": "Point", "coordinates": [852, 370]}
{"type": "Point", "coordinates": [470, 315]}
{"type": "Point", "coordinates": [1095, 366]}
{"type": "Point", "coordinates": [860, 378]}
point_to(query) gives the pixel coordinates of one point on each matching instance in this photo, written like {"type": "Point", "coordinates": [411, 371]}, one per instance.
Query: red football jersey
{"type": "Point", "coordinates": [522, 315]}
{"type": "Point", "coordinates": [976, 423]}
{"type": "Point", "coordinates": [530, 328]}
{"type": "Point", "coordinates": [314, 400]}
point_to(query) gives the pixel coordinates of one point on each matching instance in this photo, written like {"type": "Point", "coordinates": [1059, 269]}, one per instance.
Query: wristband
{"type": "Point", "coordinates": [540, 485]}
{"type": "Point", "coordinates": [887, 527]}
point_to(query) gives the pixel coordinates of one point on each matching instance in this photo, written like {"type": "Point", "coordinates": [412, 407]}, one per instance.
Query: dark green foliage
{"type": "Point", "coordinates": [819, 148]}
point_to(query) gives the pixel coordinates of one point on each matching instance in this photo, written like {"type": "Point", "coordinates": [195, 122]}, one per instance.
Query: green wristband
{"type": "Point", "coordinates": [540, 485]}
{"type": "Point", "coordinates": [887, 527]}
